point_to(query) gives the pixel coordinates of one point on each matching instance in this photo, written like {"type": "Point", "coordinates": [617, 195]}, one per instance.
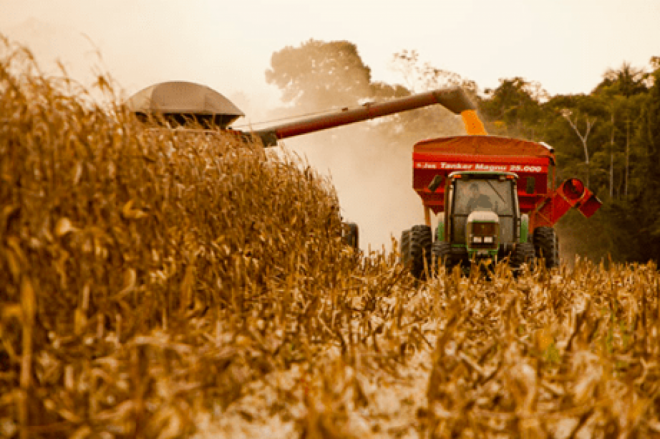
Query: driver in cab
{"type": "Point", "coordinates": [477, 199]}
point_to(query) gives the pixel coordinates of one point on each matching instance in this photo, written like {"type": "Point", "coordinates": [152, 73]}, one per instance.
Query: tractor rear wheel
{"type": "Point", "coordinates": [416, 250]}
{"type": "Point", "coordinates": [441, 251]}
{"type": "Point", "coordinates": [523, 253]}
{"type": "Point", "coordinates": [546, 246]}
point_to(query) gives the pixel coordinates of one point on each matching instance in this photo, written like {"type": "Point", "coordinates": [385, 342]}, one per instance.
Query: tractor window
{"type": "Point", "coordinates": [484, 194]}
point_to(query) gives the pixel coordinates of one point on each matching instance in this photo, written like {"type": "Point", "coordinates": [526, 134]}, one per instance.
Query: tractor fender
{"type": "Point", "coordinates": [524, 228]}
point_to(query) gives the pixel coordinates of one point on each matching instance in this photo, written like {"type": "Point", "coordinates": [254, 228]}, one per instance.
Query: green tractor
{"type": "Point", "coordinates": [482, 223]}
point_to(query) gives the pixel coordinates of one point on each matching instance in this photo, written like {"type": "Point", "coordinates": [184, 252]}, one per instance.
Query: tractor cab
{"type": "Point", "coordinates": [482, 217]}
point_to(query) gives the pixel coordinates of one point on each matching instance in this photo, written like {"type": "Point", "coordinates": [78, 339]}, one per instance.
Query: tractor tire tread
{"type": "Point", "coordinates": [421, 240]}
{"type": "Point", "coordinates": [441, 251]}
{"type": "Point", "coordinates": [404, 248]}
{"type": "Point", "coordinates": [546, 246]}
{"type": "Point", "coordinates": [522, 254]}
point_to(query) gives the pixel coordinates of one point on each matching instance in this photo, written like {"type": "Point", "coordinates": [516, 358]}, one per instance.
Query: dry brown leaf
{"type": "Point", "coordinates": [63, 227]}
{"type": "Point", "coordinates": [129, 213]}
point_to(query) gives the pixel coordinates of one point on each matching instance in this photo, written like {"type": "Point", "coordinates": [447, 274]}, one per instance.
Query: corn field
{"type": "Point", "coordinates": [171, 283]}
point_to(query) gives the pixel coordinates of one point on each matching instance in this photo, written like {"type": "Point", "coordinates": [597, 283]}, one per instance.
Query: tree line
{"type": "Point", "coordinates": [609, 138]}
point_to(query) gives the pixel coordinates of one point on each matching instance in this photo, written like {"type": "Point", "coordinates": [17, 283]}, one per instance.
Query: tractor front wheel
{"type": "Point", "coordinates": [441, 251]}
{"type": "Point", "coordinates": [421, 240]}
{"type": "Point", "coordinates": [351, 235]}
{"type": "Point", "coordinates": [404, 248]}
{"type": "Point", "coordinates": [523, 253]}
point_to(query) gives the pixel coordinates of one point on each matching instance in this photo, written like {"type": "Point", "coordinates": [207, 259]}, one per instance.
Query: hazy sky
{"type": "Point", "coordinates": [566, 45]}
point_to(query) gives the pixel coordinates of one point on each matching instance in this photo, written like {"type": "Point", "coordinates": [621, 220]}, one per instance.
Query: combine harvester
{"type": "Point", "coordinates": [498, 196]}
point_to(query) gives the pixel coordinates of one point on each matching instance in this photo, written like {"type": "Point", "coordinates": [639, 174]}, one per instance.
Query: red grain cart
{"type": "Point", "coordinates": [524, 202]}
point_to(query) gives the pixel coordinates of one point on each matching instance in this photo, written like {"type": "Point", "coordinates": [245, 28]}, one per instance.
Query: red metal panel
{"type": "Point", "coordinates": [491, 153]}
{"type": "Point", "coordinates": [481, 153]}
{"type": "Point", "coordinates": [571, 193]}
{"type": "Point", "coordinates": [484, 145]}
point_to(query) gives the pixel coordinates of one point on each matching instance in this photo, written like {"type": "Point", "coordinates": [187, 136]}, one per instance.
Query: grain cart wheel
{"type": "Point", "coordinates": [546, 246]}
{"type": "Point", "coordinates": [441, 251]}
{"type": "Point", "coordinates": [351, 235]}
{"type": "Point", "coordinates": [523, 253]}
{"type": "Point", "coordinates": [421, 240]}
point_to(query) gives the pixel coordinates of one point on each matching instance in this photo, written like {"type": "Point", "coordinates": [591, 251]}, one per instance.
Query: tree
{"type": "Point", "coordinates": [584, 137]}
{"type": "Point", "coordinates": [627, 80]}
{"type": "Point", "coordinates": [431, 121]}
{"type": "Point", "coordinates": [610, 136]}
{"type": "Point", "coordinates": [422, 76]}
{"type": "Point", "coordinates": [513, 108]}
{"type": "Point", "coordinates": [319, 75]}
{"type": "Point", "coordinates": [622, 91]}
{"type": "Point", "coordinates": [648, 134]}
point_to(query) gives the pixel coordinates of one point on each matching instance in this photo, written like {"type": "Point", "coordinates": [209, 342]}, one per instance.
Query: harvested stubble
{"type": "Point", "coordinates": [166, 284]}
{"type": "Point", "coordinates": [563, 354]}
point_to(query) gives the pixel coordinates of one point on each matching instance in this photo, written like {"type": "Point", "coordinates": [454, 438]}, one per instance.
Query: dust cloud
{"type": "Point", "coordinates": [369, 162]}
{"type": "Point", "coordinates": [370, 165]}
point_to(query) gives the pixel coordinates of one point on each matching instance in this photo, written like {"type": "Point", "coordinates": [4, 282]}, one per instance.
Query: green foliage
{"type": "Point", "coordinates": [627, 81]}
{"type": "Point", "coordinates": [513, 108]}
{"type": "Point", "coordinates": [610, 138]}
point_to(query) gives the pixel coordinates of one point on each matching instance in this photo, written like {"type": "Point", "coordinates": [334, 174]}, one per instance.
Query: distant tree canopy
{"type": "Point", "coordinates": [512, 107]}
{"type": "Point", "coordinates": [422, 76]}
{"type": "Point", "coordinates": [610, 137]}
{"type": "Point", "coordinates": [319, 74]}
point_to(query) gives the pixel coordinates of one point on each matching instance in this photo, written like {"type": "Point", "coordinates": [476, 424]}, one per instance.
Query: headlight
{"type": "Point", "coordinates": [488, 239]}
{"type": "Point", "coordinates": [477, 239]}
